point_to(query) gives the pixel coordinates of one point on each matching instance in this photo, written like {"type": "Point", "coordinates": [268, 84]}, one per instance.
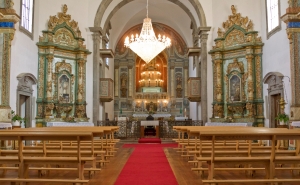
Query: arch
{"type": "Point", "coordinates": [275, 91]}
{"type": "Point", "coordinates": [105, 3]}
{"type": "Point", "coordinates": [26, 80]}
{"type": "Point", "coordinates": [271, 75]}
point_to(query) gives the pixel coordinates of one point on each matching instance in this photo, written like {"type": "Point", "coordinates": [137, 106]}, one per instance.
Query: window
{"type": "Point", "coordinates": [107, 59]}
{"type": "Point", "coordinates": [273, 13]}
{"type": "Point", "coordinates": [26, 24]}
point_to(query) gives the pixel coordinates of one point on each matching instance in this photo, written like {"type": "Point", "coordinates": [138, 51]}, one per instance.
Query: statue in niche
{"type": "Point", "coordinates": [123, 82]}
{"type": "Point", "coordinates": [178, 82]}
{"type": "Point", "coordinates": [64, 89]}
{"type": "Point", "coordinates": [235, 88]}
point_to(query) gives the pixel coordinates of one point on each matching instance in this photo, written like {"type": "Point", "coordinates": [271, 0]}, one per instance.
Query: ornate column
{"type": "Point", "coordinates": [185, 81]}
{"type": "Point", "coordinates": [80, 84]}
{"type": "Point", "coordinates": [292, 20]}
{"type": "Point", "coordinates": [8, 19]}
{"type": "Point", "coordinates": [116, 80]}
{"type": "Point", "coordinates": [49, 77]}
{"type": "Point", "coordinates": [219, 75]}
{"type": "Point", "coordinates": [250, 74]}
{"type": "Point", "coordinates": [97, 33]}
{"type": "Point", "coordinates": [130, 77]}
{"type": "Point", "coordinates": [203, 58]}
{"type": "Point", "coordinates": [172, 82]}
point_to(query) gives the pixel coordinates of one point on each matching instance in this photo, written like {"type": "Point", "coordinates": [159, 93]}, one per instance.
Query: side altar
{"type": "Point", "coordinates": [237, 72]}
{"type": "Point", "coordinates": [62, 72]}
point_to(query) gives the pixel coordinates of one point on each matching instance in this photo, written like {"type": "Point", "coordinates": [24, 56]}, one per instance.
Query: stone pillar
{"type": "Point", "coordinates": [116, 80]}
{"type": "Point", "coordinates": [8, 19]}
{"type": "Point", "coordinates": [130, 80]}
{"type": "Point", "coordinates": [203, 58]}
{"type": "Point", "coordinates": [185, 81]}
{"type": "Point", "coordinates": [97, 33]}
{"type": "Point", "coordinates": [292, 20]}
{"type": "Point", "coordinates": [172, 82]}
{"type": "Point", "coordinates": [250, 78]}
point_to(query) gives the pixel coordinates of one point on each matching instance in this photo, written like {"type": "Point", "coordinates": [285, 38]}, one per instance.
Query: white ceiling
{"type": "Point", "coordinates": [161, 11]}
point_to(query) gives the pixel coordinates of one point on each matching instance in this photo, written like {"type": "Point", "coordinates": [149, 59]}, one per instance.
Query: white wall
{"type": "Point", "coordinates": [276, 55]}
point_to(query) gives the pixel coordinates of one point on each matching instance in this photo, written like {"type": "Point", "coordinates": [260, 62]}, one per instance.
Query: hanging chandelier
{"type": "Point", "coordinates": [147, 46]}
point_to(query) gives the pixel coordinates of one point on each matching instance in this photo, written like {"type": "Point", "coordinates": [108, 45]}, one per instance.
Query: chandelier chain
{"type": "Point", "coordinates": [147, 8]}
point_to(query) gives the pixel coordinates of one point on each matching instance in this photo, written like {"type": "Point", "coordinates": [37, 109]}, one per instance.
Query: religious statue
{"type": "Point", "coordinates": [123, 82]}
{"type": "Point", "coordinates": [235, 89]}
{"type": "Point", "coordinates": [64, 89]}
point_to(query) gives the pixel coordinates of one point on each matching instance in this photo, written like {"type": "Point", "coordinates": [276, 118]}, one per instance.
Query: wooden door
{"type": "Point", "coordinates": [275, 110]}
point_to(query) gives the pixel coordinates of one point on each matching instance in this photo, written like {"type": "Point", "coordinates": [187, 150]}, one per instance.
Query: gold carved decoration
{"type": "Point", "coordinates": [63, 17]}
{"type": "Point", "coordinates": [237, 19]}
{"type": "Point", "coordinates": [64, 37]}
{"type": "Point", "coordinates": [80, 111]}
{"type": "Point", "coordinates": [48, 108]}
{"type": "Point", "coordinates": [235, 37]}
{"type": "Point", "coordinates": [249, 107]}
{"type": "Point", "coordinates": [258, 77]}
{"type": "Point", "coordinates": [41, 76]}
{"type": "Point", "coordinates": [235, 65]}
{"type": "Point", "coordinates": [59, 66]}
{"type": "Point", "coordinates": [218, 110]}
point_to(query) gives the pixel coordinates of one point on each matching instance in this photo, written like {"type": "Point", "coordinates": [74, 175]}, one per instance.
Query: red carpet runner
{"type": "Point", "coordinates": [149, 140]}
{"type": "Point", "coordinates": [147, 165]}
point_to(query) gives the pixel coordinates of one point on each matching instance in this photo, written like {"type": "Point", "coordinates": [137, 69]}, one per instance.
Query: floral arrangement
{"type": "Point", "coordinates": [15, 117]}
{"type": "Point", "coordinates": [282, 117]}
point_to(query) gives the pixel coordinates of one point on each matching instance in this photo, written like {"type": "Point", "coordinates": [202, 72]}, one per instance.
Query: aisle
{"type": "Point", "coordinates": [147, 165]}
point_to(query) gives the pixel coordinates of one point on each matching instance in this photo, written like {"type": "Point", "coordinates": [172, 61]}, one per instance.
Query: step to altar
{"type": "Point", "coordinates": [149, 140]}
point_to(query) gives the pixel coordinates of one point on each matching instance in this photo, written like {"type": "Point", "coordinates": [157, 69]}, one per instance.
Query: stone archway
{"type": "Point", "coordinates": [24, 96]}
{"type": "Point", "coordinates": [200, 36]}
{"type": "Point", "coordinates": [105, 3]}
{"type": "Point", "coordinates": [275, 92]}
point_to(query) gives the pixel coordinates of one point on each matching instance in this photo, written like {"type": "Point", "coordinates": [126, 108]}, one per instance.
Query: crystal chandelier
{"type": "Point", "coordinates": [147, 46]}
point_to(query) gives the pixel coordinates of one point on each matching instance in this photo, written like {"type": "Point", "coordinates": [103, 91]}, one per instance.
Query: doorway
{"type": "Point", "coordinates": [275, 109]}
{"type": "Point", "coordinates": [24, 106]}
{"type": "Point", "coordinates": [24, 109]}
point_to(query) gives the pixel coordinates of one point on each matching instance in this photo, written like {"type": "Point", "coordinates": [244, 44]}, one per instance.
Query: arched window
{"type": "Point", "coordinates": [273, 15]}
{"type": "Point", "coordinates": [26, 24]}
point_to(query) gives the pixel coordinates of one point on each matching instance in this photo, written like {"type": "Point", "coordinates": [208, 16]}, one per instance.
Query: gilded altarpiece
{"type": "Point", "coordinates": [237, 72]}
{"type": "Point", "coordinates": [62, 72]}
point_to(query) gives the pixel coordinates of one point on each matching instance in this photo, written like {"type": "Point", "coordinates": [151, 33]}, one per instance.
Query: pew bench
{"type": "Point", "coordinates": [25, 161]}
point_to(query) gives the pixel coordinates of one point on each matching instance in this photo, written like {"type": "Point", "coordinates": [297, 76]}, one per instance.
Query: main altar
{"type": "Point", "coordinates": [159, 87]}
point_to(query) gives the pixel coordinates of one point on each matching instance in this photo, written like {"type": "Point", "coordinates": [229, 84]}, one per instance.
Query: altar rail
{"type": "Point", "coordinates": [132, 129]}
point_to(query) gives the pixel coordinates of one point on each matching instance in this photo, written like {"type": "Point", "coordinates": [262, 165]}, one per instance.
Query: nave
{"type": "Point", "coordinates": [180, 166]}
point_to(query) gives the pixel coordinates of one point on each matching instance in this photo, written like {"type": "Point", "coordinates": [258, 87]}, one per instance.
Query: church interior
{"type": "Point", "coordinates": [184, 74]}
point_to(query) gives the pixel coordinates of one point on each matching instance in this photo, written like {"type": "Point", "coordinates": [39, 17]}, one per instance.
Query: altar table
{"type": "Point", "coordinates": [149, 123]}
{"type": "Point", "coordinates": [69, 124]}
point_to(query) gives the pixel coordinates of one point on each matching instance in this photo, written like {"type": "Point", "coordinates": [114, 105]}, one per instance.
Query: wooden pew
{"type": "Point", "coordinates": [25, 161]}
{"type": "Point", "coordinates": [103, 147]}
{"type": "Point", "coordinates": [262, 133]}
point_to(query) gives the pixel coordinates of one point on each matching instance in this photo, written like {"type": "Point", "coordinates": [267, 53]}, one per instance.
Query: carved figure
{"type": "Point", "coordinates": [64, 89]}
{"type": "Point", "coordinates": [123, 82]}
{"type": "Point", "coordinates": [235, 91]}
